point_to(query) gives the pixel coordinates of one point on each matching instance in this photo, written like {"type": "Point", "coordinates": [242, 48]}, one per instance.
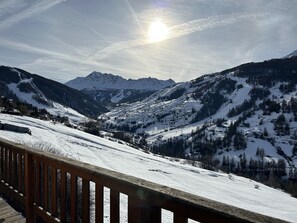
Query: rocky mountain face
{"type": "Point", "coordinates": [244, 114]}
{"type": "Point", "coordinates": [111, 89]}
{"type": "Point", "coordinates": [44, 93]}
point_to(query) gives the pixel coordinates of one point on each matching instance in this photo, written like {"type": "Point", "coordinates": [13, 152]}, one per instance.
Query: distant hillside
{"type": "Point", "coordinates": [237, 114]}
{"type": "Point", "coordinates": [112, 89]}
{"type": "Point", "coordinates": [45, 93]}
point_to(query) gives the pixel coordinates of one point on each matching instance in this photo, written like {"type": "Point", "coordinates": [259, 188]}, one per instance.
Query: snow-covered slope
{"type": "Point", "coordinates": [250, 97]}
{"type": "Point", "coordinates": [229, 189]}
{"type": "Point", "coordinates": [99, 81]}
{"type": "Point", "coordinates": [44, 93]}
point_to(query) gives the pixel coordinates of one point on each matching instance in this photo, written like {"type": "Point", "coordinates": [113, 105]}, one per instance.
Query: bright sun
{"type": "Point", "coordinates": [157, 31]}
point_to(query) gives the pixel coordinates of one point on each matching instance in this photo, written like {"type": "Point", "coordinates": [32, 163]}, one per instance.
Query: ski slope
{"type": "Point", "coordinates": [232, 190]}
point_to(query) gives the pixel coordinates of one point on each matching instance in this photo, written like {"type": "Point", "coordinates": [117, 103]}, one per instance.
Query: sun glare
{"type": "Point", "coordinates": [157, 31]}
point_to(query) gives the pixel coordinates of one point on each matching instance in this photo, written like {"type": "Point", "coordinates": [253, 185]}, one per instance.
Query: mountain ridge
{"type": "Point", "coordinates": [103, 81]}
{"type": "Point", "coordinates": [45, 93]}
{"type": "Point", "coordinates": [112, 89]}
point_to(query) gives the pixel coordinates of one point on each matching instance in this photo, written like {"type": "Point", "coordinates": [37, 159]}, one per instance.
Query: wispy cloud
{"type": "Point", "coordinates": [36, 7]}
{"type": "Point", "coordinates": [179, 31]}
{"type": "Point", "coordinates": [211, 22]}
{"type": "Point", "coordinates": [133, 13]}
{"type": "Point", "coordinates": [31, 49]}
{"type": "Point", "coordinates": [106, 52]}
{"type": "Point", "coordinates": [9, 6]}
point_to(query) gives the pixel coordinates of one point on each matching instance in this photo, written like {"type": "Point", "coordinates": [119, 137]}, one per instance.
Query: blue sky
{"type": "Point", "coordinates": [63, 39]}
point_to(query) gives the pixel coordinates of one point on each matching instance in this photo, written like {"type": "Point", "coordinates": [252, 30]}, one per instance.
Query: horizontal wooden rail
{"type": "Point", "coordinates": [55, 189]}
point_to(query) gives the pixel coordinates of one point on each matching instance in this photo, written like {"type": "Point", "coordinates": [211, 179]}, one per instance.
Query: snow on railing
{"type": "Point", "coordinates": [48, 188]}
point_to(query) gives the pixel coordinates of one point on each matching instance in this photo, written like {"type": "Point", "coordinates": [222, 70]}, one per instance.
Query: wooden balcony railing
{"type": "Point", "coordinates": [49, 188]}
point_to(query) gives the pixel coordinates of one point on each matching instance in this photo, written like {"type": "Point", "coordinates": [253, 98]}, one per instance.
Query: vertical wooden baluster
{"type": "Point", "coordinates": [73, 198]}
{"type": "Point", "coordinates": [12, 181]}
{"type": "Point", "coordinates": [86, 201]}
{"type": "Point", "coordinates": [20, 178]}
{"type": "Point", "coordinates": [179, 219]}
{"type": "Point", "coordinates": [141, 211]}
{"type": "Point", "coordinates": [9, 168]}
{"type": "Point", "coordinates": [134, 213]}
{"type": "Point", "coordinates": [2, 162]}
{"type": "Point", "coordinates": [15, 169]}
{"type": "Point", "coordinates": [63, 196]}
{"type": "Point", "coordinates": [19, 172]}
{"type": "Point", "coordinates": [4, 165]}
{"type": "Point", "coordinates": [114, 206]}
{"type": "Point", "coordinates": [54, 191]}
{"type": "Point", "coordinates": [45, 186]}
{"type": "Point", "coordinates": [155, 215]}
{"type": "Point", "coordinates": [37, 183]}
{"type": "Point", "coordinates": [29, 187]}
{"type": "Point", "coordinates": [99, 203]}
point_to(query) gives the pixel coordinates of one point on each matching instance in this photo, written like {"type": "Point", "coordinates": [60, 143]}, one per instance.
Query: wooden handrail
{"type": "Point", "coordinates": [52, 190]}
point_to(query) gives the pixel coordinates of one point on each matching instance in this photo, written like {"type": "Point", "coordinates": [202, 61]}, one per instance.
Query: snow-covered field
{"type": "Point", "coordinates": [232, 190]}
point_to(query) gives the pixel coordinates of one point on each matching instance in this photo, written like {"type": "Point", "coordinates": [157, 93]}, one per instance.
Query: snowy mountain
{"type": "Point", "coordinates": [99, 81]}
{"type": "Point", "coordinates": [180, 174]}
{"type": "Point", "coordinates": [233, 114]}
{"type": "Point", "coordinates": [44, 93]}
{"type": "Point", "coordinates": [294, 54]}
{"type": "Point", "coordinates": [110, 88]}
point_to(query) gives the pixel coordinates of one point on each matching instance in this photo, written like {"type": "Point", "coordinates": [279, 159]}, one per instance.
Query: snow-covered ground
{"type": "Point", "coordinates": [236, 191]}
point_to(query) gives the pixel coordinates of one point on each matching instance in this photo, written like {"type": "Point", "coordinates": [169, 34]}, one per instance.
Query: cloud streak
{"type": "Point", "coordinates": [31, 49]}
{"type": "Point", "coordinates": [179, 31]}
{"type": "Point", "coordinates": [8, 6]}
{"type": "Point", "coordinates": [36, 8]}
{"type": "Point", "coordinates": [132, 11]}
{"type": "Point", "coordinates": [211, 22]}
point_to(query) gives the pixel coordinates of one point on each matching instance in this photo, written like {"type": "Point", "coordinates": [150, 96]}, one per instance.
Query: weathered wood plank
{"type": "Point", "coordinates": [86, 201]}
{"type": "Point", "coordinates": [8, 214]}
{"type": "Point", "coordinates": [29, 187]}
{"type": "Point", "coordinates": [114, 206]}
{"type": "Point", "coordinates": [54, 191]}
{"type": "Point", "coordinates": [37, 183]}
{"type": "Point", "coordinates": [63, 196]}
{"type": "Point", "coordinates": [99, 196]}
{"type": "Point", "coordinates": [20, 176]}
{"type": "Point", "coordinates": [73, 192]}
{"type": "Point", "coordinates": [45, 186]}
{"type": "Point", "coordinates": [179, 219]}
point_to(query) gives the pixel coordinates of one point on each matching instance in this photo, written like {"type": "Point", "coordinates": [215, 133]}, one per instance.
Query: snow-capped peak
{"type": "Point", "coordinates": [98, 76]}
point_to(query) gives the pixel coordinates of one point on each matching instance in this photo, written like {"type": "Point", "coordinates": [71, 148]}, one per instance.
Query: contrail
{"type": "Point", "coordinates": [210, 22]}
{"type": "Point", "coordinates": [135, 16]}
{"type": "Point", "coordinates": [34, 9]}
